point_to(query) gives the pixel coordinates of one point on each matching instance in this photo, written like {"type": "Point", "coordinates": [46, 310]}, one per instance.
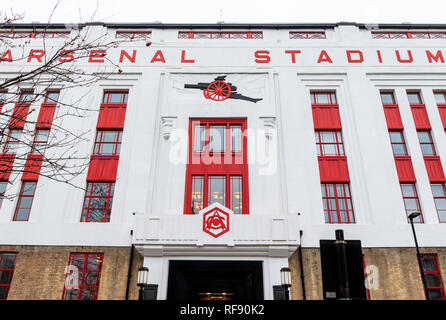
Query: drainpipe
{"type": "Point", "coordinates": [129, 273]}
{"type": "Point", "coordinates": [342, 265]}
{"type": "Point", "coordinates": [302, 277]}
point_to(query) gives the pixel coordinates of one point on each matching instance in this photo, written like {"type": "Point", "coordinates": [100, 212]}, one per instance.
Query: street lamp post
{"type": "Point", "coordinates": [412, 216]}
{"type": "Point", "coordinates": [285, 277]}
{"type": "Point", "coordinates": [143, 281]}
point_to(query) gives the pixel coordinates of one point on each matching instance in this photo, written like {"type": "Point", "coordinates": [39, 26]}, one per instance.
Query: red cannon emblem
{"type": "Point", "coordinates": [215, 222]}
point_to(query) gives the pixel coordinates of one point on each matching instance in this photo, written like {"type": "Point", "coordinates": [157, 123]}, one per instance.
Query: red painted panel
{"type": "Point", "coordinates": [32, 167]}
{"type": "Point", "coordinates": [326, 117]}
{"type": "Point", "coordinates": [333, 169]}
{"type": "Point", "coordinates": [19, 115]}
{"type": "Point", "coordinates": [6, 163]}
{"type": "Point", "coordinates": [405, 169]}
{"type": "Point", "coordinates": [46, 115]}
{"type": "Point", "coordinates": [103, 168]}
{"type": "Point", "coordinates": [434, 169]}
{"type": "Point", "coordinates": [442, 110]}
{"type": "Point", "coordinates": [111, 116]}
{"type": "Point", "coordinates": [393, 117]}
{"type": "Point", "coordinates": [420, 116]}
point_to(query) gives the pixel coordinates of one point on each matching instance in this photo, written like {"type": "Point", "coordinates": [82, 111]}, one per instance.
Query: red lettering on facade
{"type": "Point", "coordinates": [66, 56]}
{"type": "Point", "coordinates": [262, 56]}
{"type": "Point", "coordinates": [183, 58]}
{"type": "Point", "coordinates": [324, 57]}
{"type": "Point", "coordinates": [293, 54]}
{"type": "Point", "coordinates": [158, 57]}
{"type": "Point", "coordinates": [359, 58]}
{"type": "Point", "coordinates": [7, 56]}
{"type": "Point", "coordinates": [97, 56]}
{"type": "Point", "coordinates": [125, 54]}
{"type": "Point", "coordinates": [380, 59]}
{"type": "Point", "coordinates": [409, 57]}
{"type": "Point", "coordinates": [438, 56]}
{"type": "Point", "coordinates": [37, 54]}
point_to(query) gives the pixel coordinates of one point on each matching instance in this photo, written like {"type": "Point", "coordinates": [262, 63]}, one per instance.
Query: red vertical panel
{"type": "Point", "coordinates": [405, 169]}
{"type": "Point", "coordinates": [111, 117]}
{"type": "Point", "coordinates": [333, 169]}
{"type": "Point", "coordinates": [442, 110]}
{"type": "Point", "coordinates": [6, 163]}
{"type": "Point", "coordinates": [46, 115]}
{"type": "Point", "coordinates": [103, 168]}
{"type": "Point", "coordinates": [326, 117]}
{"type": "Point", "coordinates": [434, 169]}
{"type": "Point", "coordinates": [393, 117]}
{"type": "Point", "coordinates": [32, 167]}
{"type": "Point", "coordinates": [19, 115]}
{"type": "Point", "coordinates": [420, 116]}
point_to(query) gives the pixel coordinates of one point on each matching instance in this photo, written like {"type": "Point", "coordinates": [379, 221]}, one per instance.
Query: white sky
{"type": "Point", "coordinates": [237, 11]}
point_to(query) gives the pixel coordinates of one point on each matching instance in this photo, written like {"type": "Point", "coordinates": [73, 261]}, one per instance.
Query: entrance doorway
{"type": "Point", "coordinates": [215, 280]}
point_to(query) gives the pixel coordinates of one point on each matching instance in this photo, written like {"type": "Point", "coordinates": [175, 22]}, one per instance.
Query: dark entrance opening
{"type": "Point", "coordinates": [190, 280]}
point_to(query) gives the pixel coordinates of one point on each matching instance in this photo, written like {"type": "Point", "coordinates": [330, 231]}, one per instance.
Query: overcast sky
{"type": "Point", "coordinates": [237, 11]}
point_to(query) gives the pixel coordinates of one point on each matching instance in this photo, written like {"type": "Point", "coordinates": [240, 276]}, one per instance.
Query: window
{"type": "Point", "coordinates": [323, 98]}
{"type": "Point", "coordinates": [3, 185]}
{"type": "Point", "coordinates": [98, 202]}
{"type": "Point", "coordinates": [337, 201]}
{"type": "Point", "coordinates": [434, 284]}
{"type": "Point", "coordinates": [134, 34]}
{"type": "Point", "coordinates": [217, 170]}
{"type": "Point", "coordinates": [329, 143]}
{"type": "Point", "coordinates": [51, 96]}
{"type": "Point", "coordinates": [220, 35]}
{"type": "Point", "coordinates": [25, 201]}
{"type": "Point", "coordinates": [387, 98]}
{"type": "Point", "coordinates": [411, 201]}
{"type": "Point", "coordinates": [40, 141]}
{"type": "Point", "coordinates": [12, 141]}
{"type": "Point", "coordinates": [409, 35]}
{"type": "Point", "coordinates": [439, 192]}
{"type": "Point", "coordinates": [398, 143]}
{"type": "Point", "coordinates": [7, 265]}
{"type": "Point", "coordinates": [3, 95]}
{"type": "Point", "coordinates": [26, 96]}
{"type": "Point", "coordinates": [426, 143]}
{"type": "Point", "coordinates": [107, 143]}
{"type": "Point", "coordinates": [82, 276]}
{"type": "Point", "coordinates": [414, 98]}
{"type": "Point", "coordinates": [115, 97]}
{"type": "Point", "coordinates": [440, 97]}
{"type": "Point", "coordinates": [307, 35]}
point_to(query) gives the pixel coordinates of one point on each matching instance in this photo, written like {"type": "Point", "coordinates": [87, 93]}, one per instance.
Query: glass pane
{"type": "Point", "coordinates": [7, 261]}
{"type": "Point", "coordinates": [236, 194]}
{"type": "Point", "coordinates": [115, 98]}
{"type": "Point", "coordinates": [427, 150]}
{"type": "Point", "coordinates": [217, 187]}
{"type": "Point", "coordinates": [22, 215]}
{"type": "Point", "coordinates": [94, 262]}
{"type": "Point", "coordinates": [91, 278]}
{"type": "Point", "coordinates": [408, 190]}
{"type": "Point", "coordinates": [78, 261]}
{"type": "Point", "coordinates": [71, 294]}
{"type": "Point", "coordinates": [199, 138]}
{"type": "Point", "coordinates": [26, 97]}
{"type": "Point", "coordinates": [4, 276]}
{"type": "Point", "coordinates": [197, 194]}
{"type": "Point", "coordinates": [428, 264]}
{"type": "Point", "coordinates": [3, 187]}
{"type": "Point", "coordinates": [52, 97]}
{"type": "Point", "coordinates": [435, 294]}
{"type": "Point", "coordinates": [88, 293]}
{"type": "Point", "coordinates": [411, 205]}
{"type": "Point", "coordinates": [236, 134]}
{"type": "Point", "coordinates": [387, 98]}
{"type": "Point", "coordinates": [42, 135]}
{"type": "Point", "coordinates": [414, 98]}
{"type": "Point", "coordinates": [3, 291]}
{"type": "Point", "coordinates": [322, 98]}
{"type": "Point", "coordinates": [108, 148]}
{"type": "Point", "coordinates": [440, 204]}
{"type": "Point", "coordinates": [424, 137]}
{"type": "Point", "coordinates": [399, 149]}
{"type": "Point", "coordinates": [328, 136]}
{"type": "Point", "coordinates": [109, 136]}
{"type": "Point", "coordinates": [396, 137]}
{"type": "Point", "coordinates": [440, 98]}
{"type": "Point", "coordinates": [217, 139]}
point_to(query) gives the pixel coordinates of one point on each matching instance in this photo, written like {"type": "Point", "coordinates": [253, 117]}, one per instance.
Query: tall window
{"type": "Point", "coordinates": [411, 201]}
{"type": "Point", "coordinates": [434, 284]}
{"type": "Point", "coordinates": [40, 141]}
{"type": "Point", "coordinates": [3, 185]}
{"type": "Point", "coordinates": [217, 170]}
{"type": "Point", "coordinates": [398, 143]}
{"type": "Point", "coordinates": [25, 201]}
{"type": "Point", "coordinates": [98, 202]}
{"type": "Point", "coordinates": [82, 276]}
{"type": "Point", "coordinates": [115, 97]}
{"type": "Point", "coordinates": [329, 143]}
{"type": "Point", "coordinates": [12, 141]}
{"type": "Point", "coordinates": [426, 143]}
{"type": "Point", "coordinates": [7, 265]}
{"type": "Point", "coordinates": [439, 192]}
{"type": "Point", "coordinates": [337, 200]}
{"type": "Point", "coordinates": [107, 142]}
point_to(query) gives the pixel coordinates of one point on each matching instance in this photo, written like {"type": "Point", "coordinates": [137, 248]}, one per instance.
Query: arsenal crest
{"type": "Point", "coordinates": [215, 222]}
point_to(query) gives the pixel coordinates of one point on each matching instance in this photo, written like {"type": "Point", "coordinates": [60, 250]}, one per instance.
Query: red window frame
{"type": "Point", "coordinates": [92, 201]}
{"type": "Point", "coordinates": [203, 164]}
{"type": "Point", "coordinates": [38, 146]}
{"type": "Point", "coordinates": [429, 274]}
{"type": "Point", "coordinates": [316, 96]}
{"type": "Point", "coordinates": [108, 97]}
{"type": "Point", "coordinates": [27, 191]}
{"type": "Point", "coordinates": [411, 197]}
{"type": "Point", "coordinates": [84, 272]}
{"type": "Point", "coordinates": [337, 142]}
{"type": "Point", "coordinates": [4, 269]}
{"type": "Point", "coordinates": [100, 142]}
{"type": "Point", "coordinates": [395, 143]}
{"type": "Point", "coordinates": [342, 211]}
{"type": "Point", "coordinates": [429, 143]}
{"type": "Point", "coordinates": [10, 140]}
{"type": "Point", "coordinates": [440, 198]}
